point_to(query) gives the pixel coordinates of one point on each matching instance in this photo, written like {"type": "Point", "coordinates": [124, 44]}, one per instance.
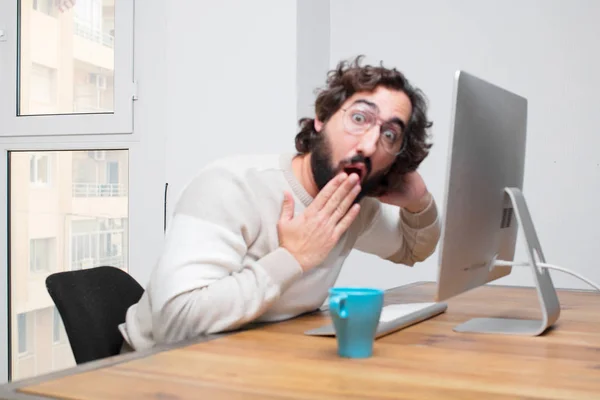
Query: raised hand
{"type": "Point", "coordinates": [310, 236]}
{"type": "Point", "coordinates": [414, 196]}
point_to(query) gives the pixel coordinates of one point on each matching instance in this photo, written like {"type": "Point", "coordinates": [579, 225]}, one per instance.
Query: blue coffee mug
{"type": "Point", "coordinates": [355, 313]}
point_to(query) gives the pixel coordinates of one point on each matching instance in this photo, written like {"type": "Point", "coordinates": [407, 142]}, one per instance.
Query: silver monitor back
{"type": "Point", "coordinates": [486, 155]}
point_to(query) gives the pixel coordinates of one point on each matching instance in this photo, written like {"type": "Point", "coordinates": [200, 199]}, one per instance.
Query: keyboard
{"type": "Point", "coordinates": [394, 317]}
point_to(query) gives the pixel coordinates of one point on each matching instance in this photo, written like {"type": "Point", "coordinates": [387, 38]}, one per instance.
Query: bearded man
{"type": "Point", "coordinates": [263, 238]}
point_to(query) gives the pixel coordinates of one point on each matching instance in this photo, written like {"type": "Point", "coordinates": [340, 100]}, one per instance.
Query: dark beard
{"type": "Point", "coordinates": [323, 170]}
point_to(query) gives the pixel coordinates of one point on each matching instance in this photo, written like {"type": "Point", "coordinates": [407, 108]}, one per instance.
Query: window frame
{"type": "Point", "coordinates": [145, 142]}
{"type": "Point", "coordinates": [118, 122]}
{"type": "Point", "coordinates": [137, 221]}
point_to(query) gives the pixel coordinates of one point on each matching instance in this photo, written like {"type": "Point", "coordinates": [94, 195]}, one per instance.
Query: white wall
{"type": "Point", "coordinates": [312, 54]}
{"type": "Point", "coordinates": [544, 50]}
{"type": "Point", "coordinates": [231, 71]}
{"type": "Point", "coordinates": [149, 154]}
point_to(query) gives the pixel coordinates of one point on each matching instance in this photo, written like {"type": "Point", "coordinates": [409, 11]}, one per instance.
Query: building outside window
{"type": "Point", "coordinates": [78, 221]}
{"type": "Point", "coordinates": [67, 125]}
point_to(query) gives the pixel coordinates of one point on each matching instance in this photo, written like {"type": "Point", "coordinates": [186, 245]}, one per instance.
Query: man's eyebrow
{"type": "Point", "coordinates": [398, 121]}
{"type": "Point", "coordinates": [367, 102]}
{"type": "Point", "coordinates": [394, 120]}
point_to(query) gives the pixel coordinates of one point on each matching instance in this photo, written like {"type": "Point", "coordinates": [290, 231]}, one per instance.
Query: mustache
{"type": "Point", "coordinates": [359, 158]}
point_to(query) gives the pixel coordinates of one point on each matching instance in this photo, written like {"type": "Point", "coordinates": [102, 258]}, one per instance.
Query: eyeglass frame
{"type": "Point", "coordinates": [378, 121]}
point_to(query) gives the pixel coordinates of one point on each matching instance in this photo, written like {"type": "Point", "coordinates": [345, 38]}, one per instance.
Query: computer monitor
{"type": "Point", "coordinates": [484, 203]}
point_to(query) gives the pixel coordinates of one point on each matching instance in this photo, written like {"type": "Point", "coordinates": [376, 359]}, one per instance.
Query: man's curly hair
{"type": "Point", "coordinates": [349, 78]}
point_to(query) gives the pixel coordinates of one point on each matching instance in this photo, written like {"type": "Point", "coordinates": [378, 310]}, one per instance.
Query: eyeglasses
{"type": "Point", "coordinates": [359, 119]}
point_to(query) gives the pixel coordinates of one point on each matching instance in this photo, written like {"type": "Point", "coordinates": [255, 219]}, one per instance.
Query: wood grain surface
{"type": "Point", "coordinates": [427, 360]}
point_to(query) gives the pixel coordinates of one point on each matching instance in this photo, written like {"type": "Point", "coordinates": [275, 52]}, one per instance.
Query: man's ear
{"type": "Point", "coordinates": [318, 125]}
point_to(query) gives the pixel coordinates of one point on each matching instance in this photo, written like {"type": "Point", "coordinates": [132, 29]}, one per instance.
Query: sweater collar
{"type": "Point", "coordinates": [298, 189]}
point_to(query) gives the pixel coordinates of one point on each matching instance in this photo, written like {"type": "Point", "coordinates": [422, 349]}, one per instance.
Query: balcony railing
{"type": "Point", "coordinates": [99, 190]}
{"type": "Point", "coordinates": [86, 263]}
{"type": "Point", "coordinates": [84, 30]}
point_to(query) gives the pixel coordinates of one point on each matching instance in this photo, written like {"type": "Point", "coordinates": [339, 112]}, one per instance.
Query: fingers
{"type": "Point", "coordinates": [346, 203]}
{"type": "Point", "coordinates": [345, 223]}
{"type": "Point", "coordinates": [287, 209]}
{"type": "Point", "coordinates": [325, 194]}
{"type": "Point", "coordinates": [342, 198]}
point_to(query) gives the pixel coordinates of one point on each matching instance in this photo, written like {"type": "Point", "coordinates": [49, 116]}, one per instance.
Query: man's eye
{"type": "Point", "coordinates": [359, 118]}
{"type": "Point", "coordinates": [390, 136]}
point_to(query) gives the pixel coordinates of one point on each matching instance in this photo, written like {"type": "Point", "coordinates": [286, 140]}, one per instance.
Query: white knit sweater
{"type": "Point", "coordinates": [222, 267]}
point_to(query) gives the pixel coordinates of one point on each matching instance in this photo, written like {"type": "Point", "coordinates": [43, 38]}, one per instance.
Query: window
{"type": "Point", "coordinates": [67, 226]}
{"type": "Point", "coordinates": [75, 62]}
{"type": "Point", "coordinates": [112, 172]}
{"type": "Point", "coordinates": [87, 57]}
{"type": "Point", "coordinates": [42, 255]}
{"type": "Point", "coordinates": [98, 242]}
{"type": "Point", "coordinates": [67, 155]}
{"type": "Point", "coordinates": [43, 96]}
{"type": "Point", "coordinates": [22, 333]}
{"type": "Point", "coordinates": [45, 6]}
{"type": "Point", "coordinates": [59, 336]}
{"type": "Point", "coordinates": [88, 13]}
{"type": "Point", "coordinates": [98, 174]}
{"type": "Point", "coordinates": [40, 166]}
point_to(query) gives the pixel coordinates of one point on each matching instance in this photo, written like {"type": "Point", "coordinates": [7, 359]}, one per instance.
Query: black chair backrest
{"type": "Point", "coordinates": [92, 303]}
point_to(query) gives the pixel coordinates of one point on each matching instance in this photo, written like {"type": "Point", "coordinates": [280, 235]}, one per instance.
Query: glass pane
{"type": "Point", "coordinates": [68, 211]}
{"type": "Point", "coordinates": [22, 329]}
{"type": "Point", "coordinates": [66, 57]}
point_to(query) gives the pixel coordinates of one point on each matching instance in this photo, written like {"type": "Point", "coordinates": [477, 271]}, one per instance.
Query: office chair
{"type": "Point", "coordinates": [92, 303]}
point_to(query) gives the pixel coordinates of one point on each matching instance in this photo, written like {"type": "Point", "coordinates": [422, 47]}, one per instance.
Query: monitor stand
{"type": "Point", "coordinates": [547, 296]}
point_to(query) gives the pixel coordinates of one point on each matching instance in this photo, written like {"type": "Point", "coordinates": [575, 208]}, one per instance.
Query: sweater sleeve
{"type": "Point", "coordinates": [398, 235]}
{"type": "Point", "coordinates": [206, 282]}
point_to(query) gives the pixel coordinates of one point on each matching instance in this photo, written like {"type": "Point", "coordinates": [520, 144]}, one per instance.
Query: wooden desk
{"type": "Point", "coordinates": [427, 360]}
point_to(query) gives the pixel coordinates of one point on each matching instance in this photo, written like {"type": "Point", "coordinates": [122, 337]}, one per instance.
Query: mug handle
{"type": "Point", "coordinates": [338, 305]}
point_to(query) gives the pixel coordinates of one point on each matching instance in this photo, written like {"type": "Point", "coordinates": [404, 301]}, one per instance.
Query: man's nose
{"type": "Point", "coordinates": [368, 141]}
